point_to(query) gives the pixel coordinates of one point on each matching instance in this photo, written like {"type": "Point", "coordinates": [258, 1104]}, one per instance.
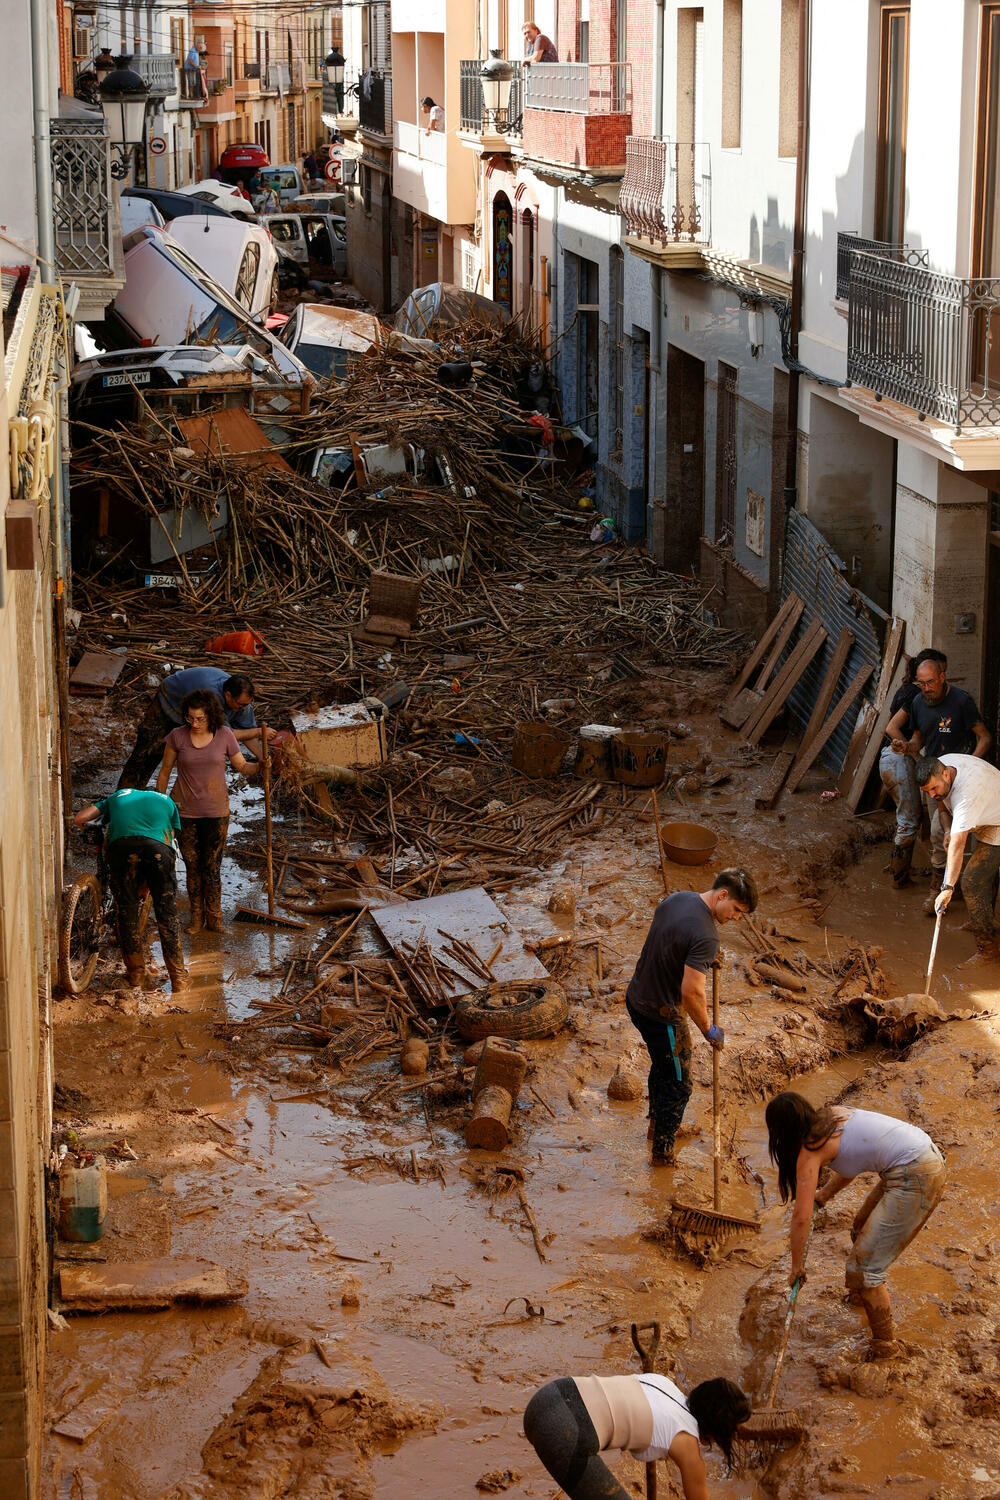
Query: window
{"type": "Point", "coordinates": [366, 188]}
{"type": "Point", "coordinates": [470, 277]}
{"type": "Point", "coordinates": [583, 32]}
{"type": "Point", "coordinates": [732, 72]}
{"type": "Point", "coordinates": [246, 282]}
{"type": "Point", "coordinates": [283, 230]}
{"type": "Point", "coordinates": [177, 46]}
{"type": "Point", "coordinates": [893, 87]}
{"type": "Point", "coordinates": [788, 80]}
{"type": "Point", "coordinates": [227, 63]}
{"type": "Point", "coordinates": [617, 341]}
{"type": "Point", "coordinates": [527, 263]}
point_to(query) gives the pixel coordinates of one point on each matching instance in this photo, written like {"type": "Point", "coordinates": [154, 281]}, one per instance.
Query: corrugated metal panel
{"type": "Point", "coordinates": [814, 571]}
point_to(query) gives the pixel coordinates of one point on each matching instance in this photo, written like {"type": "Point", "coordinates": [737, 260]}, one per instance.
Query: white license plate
{"type": "Point", "coordinates": [139, 377]}
{"type": "Point", "coordinates": [163, 580]}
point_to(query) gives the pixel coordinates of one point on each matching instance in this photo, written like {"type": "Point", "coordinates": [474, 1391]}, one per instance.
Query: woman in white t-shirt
{"type": "Point", "coordinates": [571, 1422]}
{"type": "Point", "coordinates": [433, 114]}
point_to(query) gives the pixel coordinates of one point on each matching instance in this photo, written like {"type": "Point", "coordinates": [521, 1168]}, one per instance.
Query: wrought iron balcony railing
{"type": "Point", "coordinates": [194, 87]}
{"type": "Point", "coordinates": [375, 102]}
{"type": "Point", "coordinates": [579, 88]}
{"type": "Point", "coordinates": [666, 194]}
{"type": "Point", "coordinates": [473, 115]}
{"type": "Point", "coordinates": [848, 243]}
{"type": "Point", "coordinates": [924, 339]}
{"type": "Point", "coordinates": [84, 209]}
{"type": "Point", "coordinates": [159, 69]}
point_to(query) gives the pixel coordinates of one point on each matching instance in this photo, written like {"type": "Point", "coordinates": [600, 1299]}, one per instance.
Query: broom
{"type": "Point", "coordinates": [768, 1428]}
{"type": "Point", "coordinates": [705, 1223]}
{"type": "Point", "coordinates": [248, 913]}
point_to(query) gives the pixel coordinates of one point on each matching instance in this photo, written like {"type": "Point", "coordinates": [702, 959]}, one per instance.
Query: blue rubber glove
{"type": "Point", "coordinates": [716, 1036]}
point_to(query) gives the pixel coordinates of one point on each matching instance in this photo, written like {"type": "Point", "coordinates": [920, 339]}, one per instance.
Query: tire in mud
{"type": "Point", "coordinates": [80, 934]}
{"type": "Point", "coordinates": [520, 1008]}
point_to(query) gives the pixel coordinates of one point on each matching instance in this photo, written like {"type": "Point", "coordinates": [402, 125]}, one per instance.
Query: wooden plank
{"type": "Point", "coordinates": [761, 649]}
{"type": "Point", "coordinates": [873, 748]}
{"type": "Point", "coordinates": [859, 739]}
{"type": "Point", "coordinates": [894, 638]}
{"type": "Point", "coordinates": [784, 636]}
{"type": "Point", "coordinates": [770, 788]}
{"type": "Point", "coordinates": [828, 686]}
{"type": "Point", "coordinates": [777, 694]}
{"type": "Point", "coordinates": [811, 748]}
{"type": "Point", "coordinates": [737, 713]}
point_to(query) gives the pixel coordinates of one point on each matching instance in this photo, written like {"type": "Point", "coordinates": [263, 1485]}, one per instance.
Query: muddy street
{"type": "Point", "coordinates": [398, 1315]}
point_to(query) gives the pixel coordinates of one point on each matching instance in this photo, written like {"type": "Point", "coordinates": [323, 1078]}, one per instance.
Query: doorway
{"type": "Point", "coordinates": [502, 252]}
{"type": "Point", "coordinates": [685, 484]}
{"type": "Point", "coordinates": [726, 456]}
{"type": "Point", "coordinates": [588, 345]}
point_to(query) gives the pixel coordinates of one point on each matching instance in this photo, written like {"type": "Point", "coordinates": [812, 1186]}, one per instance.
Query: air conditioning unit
{"type": "Point", "coordinates": [84, 22]}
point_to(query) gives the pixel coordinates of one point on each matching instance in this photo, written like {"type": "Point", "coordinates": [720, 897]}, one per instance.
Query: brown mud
{"type": "Point", "coordinates": [395, 1328]}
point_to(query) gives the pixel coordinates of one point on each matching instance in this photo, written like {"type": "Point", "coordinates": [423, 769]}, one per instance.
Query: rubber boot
{"type": "Point", "coordinates": [213, 915]}
{"type": "Point", "coordinates": [197, 921]}
{"type": "Point", "coordinates": [135, 969]}
{"type": "Point", "coordinates": [937, 880]}
{"type": "Point", "coordinates": [899, 865]}
{"type": "Point", "coordinates": [883, 1341]}
{"type": "Point", "coordinates": [987, 952]}
{"type": "Point", "coordinates": [179, 982]}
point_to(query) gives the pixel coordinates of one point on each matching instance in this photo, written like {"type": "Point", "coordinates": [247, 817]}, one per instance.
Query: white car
{"type": "Point", "coordinates": [328, 340]}
{"type": "Point", "coordinates": [222, 195]}
{"type": "Point", "coordinates": [240, 257]}
{"type": "Point", "coordinates": [138, 211]}
{"type": "Point", "coordinates": [168, 299]}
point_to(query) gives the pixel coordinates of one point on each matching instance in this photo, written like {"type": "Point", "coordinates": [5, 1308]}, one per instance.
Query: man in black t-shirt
{"type": "Point", "coordinates": [898, 771]}
{"type": "Point", "coordinates": [943, 720]}
{"type": "Point", "coordinates": [669, 984]}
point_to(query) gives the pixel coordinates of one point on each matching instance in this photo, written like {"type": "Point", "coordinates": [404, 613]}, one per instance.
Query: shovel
{"type": "Point", "coordinates": [926, 995]}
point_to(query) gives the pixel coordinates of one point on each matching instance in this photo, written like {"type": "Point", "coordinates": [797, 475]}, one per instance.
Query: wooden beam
{"type": "Point", "coordinates": [873, 747]}
{"type": "Point", "coordinates": [893, 649]}
{"type": "Point", "coordinates": [828, 686]}
{"type": "Point", "coordinates": [811, 748]}
{"type": "Point", "coordinates": [770, 788]}
{"type": "Point", "coordinates": [784, 636]}
{"type": "Point", "coordinates": [777, 694]}
{"type": "Point", "coordinates": [761, 649]}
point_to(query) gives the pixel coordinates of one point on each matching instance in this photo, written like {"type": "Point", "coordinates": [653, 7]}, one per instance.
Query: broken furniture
{"type": "Point", "coordinates": [342, 734]}
{"type": "Point", "coordinates": [499, 1075]}
{"type": "Point", "coordinates": [393, 608]}
{"type": "Point", "coordinates": [96, 672]}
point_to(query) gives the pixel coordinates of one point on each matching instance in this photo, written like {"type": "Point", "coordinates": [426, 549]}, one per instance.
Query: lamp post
{"type": "Point", "coordinates": [496, 75]}
{"type": "Point", "coordinates": [123, 100]}
{"type": "Point", "coordinates": [334, 66]}
{"type": "Point", "coordinates": [103, 64]}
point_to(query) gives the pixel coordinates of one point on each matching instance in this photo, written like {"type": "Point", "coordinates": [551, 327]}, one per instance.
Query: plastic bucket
{"type": "Point", "coordinates": [538, 749]}
{"type": "Point", "coordinates": [83, 1202]}
{"type": "Point", "coordinates": [639, 759]}
{"type": "Point", "coordinates": [246, 642]}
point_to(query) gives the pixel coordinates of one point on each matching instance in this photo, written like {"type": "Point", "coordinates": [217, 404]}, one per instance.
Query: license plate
{"type": "Point", "coordinates": [173, 580]}
{"type": "Point", "coordinates": [139, 377]}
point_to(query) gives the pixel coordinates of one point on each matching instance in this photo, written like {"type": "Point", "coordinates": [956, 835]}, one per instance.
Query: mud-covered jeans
{"type": "Point", "coordinates": [203, 843]}
{"type": "Point", "coordinates": [895, 1210]}
{"type": "Point", "coordinates": [978, 879]}
{"type": "Point", "coordinates": [147, 752]}
{"type": "Point", "coordinates": [132, 864]}
{"type": "Point", "coordinates": [899, 777]}
{"type": "Point", "coordinates": [668, 1042]}
{"type": "Point", "coordinates": [558, 1427]}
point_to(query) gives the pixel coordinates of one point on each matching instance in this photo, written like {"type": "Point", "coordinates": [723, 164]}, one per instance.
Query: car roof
{"type": "Point", "coordinates": [340, 327]}
{"type": "Point", "coordinates": [166, 198]}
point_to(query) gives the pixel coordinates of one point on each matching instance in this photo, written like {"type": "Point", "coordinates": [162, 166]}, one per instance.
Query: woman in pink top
{"type": "Point", "coordinates": [200, 749]}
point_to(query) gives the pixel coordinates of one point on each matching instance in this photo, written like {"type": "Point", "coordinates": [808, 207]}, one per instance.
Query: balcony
{"type": "Point", "coordinates": [221, 102]}
{"type": "Point", "coordinates": [433, 173]}
{"type": "Point", "coordinates": [88, 231]}
{"type": "Point", "coordinates": [375, 103]}
{"type": "Point", "coordinates": [194, 88]}
{"type": "Point", "coordinates": [277, 79]}
{"type": "Point", "coordinates": [578, 116]}
{"type": "Point", "coordinates": [923, 357]}
{"type": "Point", "coordinates": [159, 70]}
{"type": "Point", "coordinates": [666, 200]}
{"type": "Point", "coordinates": [483, 131]}
{"type": "Point", "coordinates": [248, 87]}
{"type": "Point", "coordinates": [848, 243]}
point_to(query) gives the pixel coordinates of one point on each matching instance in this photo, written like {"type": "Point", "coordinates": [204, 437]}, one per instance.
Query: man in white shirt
{"type": "Point", "coordinates": [967, 790]}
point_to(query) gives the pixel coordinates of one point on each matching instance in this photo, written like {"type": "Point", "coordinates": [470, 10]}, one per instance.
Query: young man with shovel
{"type": "Point", "coordinates": [966, 791]}
{"type": "Point", "coordinates": [669, 985]}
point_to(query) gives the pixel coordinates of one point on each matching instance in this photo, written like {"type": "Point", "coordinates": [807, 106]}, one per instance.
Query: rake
{"type": "Point", "coordinates": [771, 1426]}
{"type": "Point", "coordinates": [685, 1221]}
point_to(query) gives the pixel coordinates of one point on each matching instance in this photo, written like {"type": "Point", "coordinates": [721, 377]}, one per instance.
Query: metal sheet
{"type": "Point", "coordinates": [97, 671]}
{"type": "Point", "coordinates": [470, 915]}
{"type": "Point", "coordinates": [813, 570]}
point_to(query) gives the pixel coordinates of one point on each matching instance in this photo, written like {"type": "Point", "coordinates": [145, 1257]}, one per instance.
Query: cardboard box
{"type": "Point", "coordinates": [344, 734]}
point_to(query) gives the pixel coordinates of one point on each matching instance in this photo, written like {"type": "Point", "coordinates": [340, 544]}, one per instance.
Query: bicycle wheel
{"type": "Point", "coordinates": [80, 934]}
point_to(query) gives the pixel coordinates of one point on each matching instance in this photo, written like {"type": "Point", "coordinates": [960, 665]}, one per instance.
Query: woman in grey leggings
{"type": "Point", "coordinates": [571, 1422]}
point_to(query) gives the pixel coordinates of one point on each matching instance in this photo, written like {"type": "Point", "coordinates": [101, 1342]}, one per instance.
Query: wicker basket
{"type": "Point", "coordinates": [639, 759]}
{"type": "Point", "coordinates": [538, 749]}
{"type": "Point", "coordinates": [395, 595]}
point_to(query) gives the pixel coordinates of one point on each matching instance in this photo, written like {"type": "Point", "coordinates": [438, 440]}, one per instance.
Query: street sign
{"type": "Point", "coordinates": [332, 169]}
{"type": "Point", "coordinates": [157, 144]}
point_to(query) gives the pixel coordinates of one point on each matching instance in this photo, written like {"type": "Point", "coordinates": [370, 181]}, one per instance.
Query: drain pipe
{"type": "Point", "coordinates": [798, 257]}
{"type": "Point", "coordinates": [43, 151]}
{"type": "Point", "coordinates": [656, 291]}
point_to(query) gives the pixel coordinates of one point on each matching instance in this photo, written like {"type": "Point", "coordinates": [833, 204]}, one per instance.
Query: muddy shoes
{"type": "Point", "coordinates": [899, 865]}
{"type": "Point", "coordinates": [937, 877]}
{"type": "Point", "coordinates": [987, 951]}
{"type": "Point", "coordinates": [179, 982]}
{"type": "Point", "coordinates": [213, 914]}
{"type": "Point", "coordinates": [883, 1341]}
{"type": "Point", "coordinates": [197, 921]}
{"type": "Point", "coordinates": [135, 969]}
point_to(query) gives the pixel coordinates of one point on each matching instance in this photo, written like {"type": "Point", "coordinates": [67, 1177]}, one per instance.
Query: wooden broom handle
{"type": "Point", "coordinates": [716, 1112]}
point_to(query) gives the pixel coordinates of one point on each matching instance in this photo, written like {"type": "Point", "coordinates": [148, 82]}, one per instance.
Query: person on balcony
{"type": "Point", "coordinates": [538, 48]}
{"type": "Point", "coordinates": [432, 113]}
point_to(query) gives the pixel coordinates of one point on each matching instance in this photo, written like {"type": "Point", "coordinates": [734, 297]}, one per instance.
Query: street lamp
{"type": "Point", "coordinates": [334, 66]}
{"type": "Point", "coordinates": [104, 63]}
{"type": "Point", "coordinates": [123, 100]}
{"type": "Point", "coordinates": [497, 75]}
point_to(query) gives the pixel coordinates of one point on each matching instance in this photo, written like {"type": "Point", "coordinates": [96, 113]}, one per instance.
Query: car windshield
{"type": "Point", "coordinates": [278, 179]}
{"type": "Point", "coordinates": [323, 360]}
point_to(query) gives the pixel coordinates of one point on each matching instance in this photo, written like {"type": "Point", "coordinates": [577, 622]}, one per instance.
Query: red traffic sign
{"type": "Point", "coordinates": [332, 169]}
{"type": "Point", "coordinates": [157, 144]}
